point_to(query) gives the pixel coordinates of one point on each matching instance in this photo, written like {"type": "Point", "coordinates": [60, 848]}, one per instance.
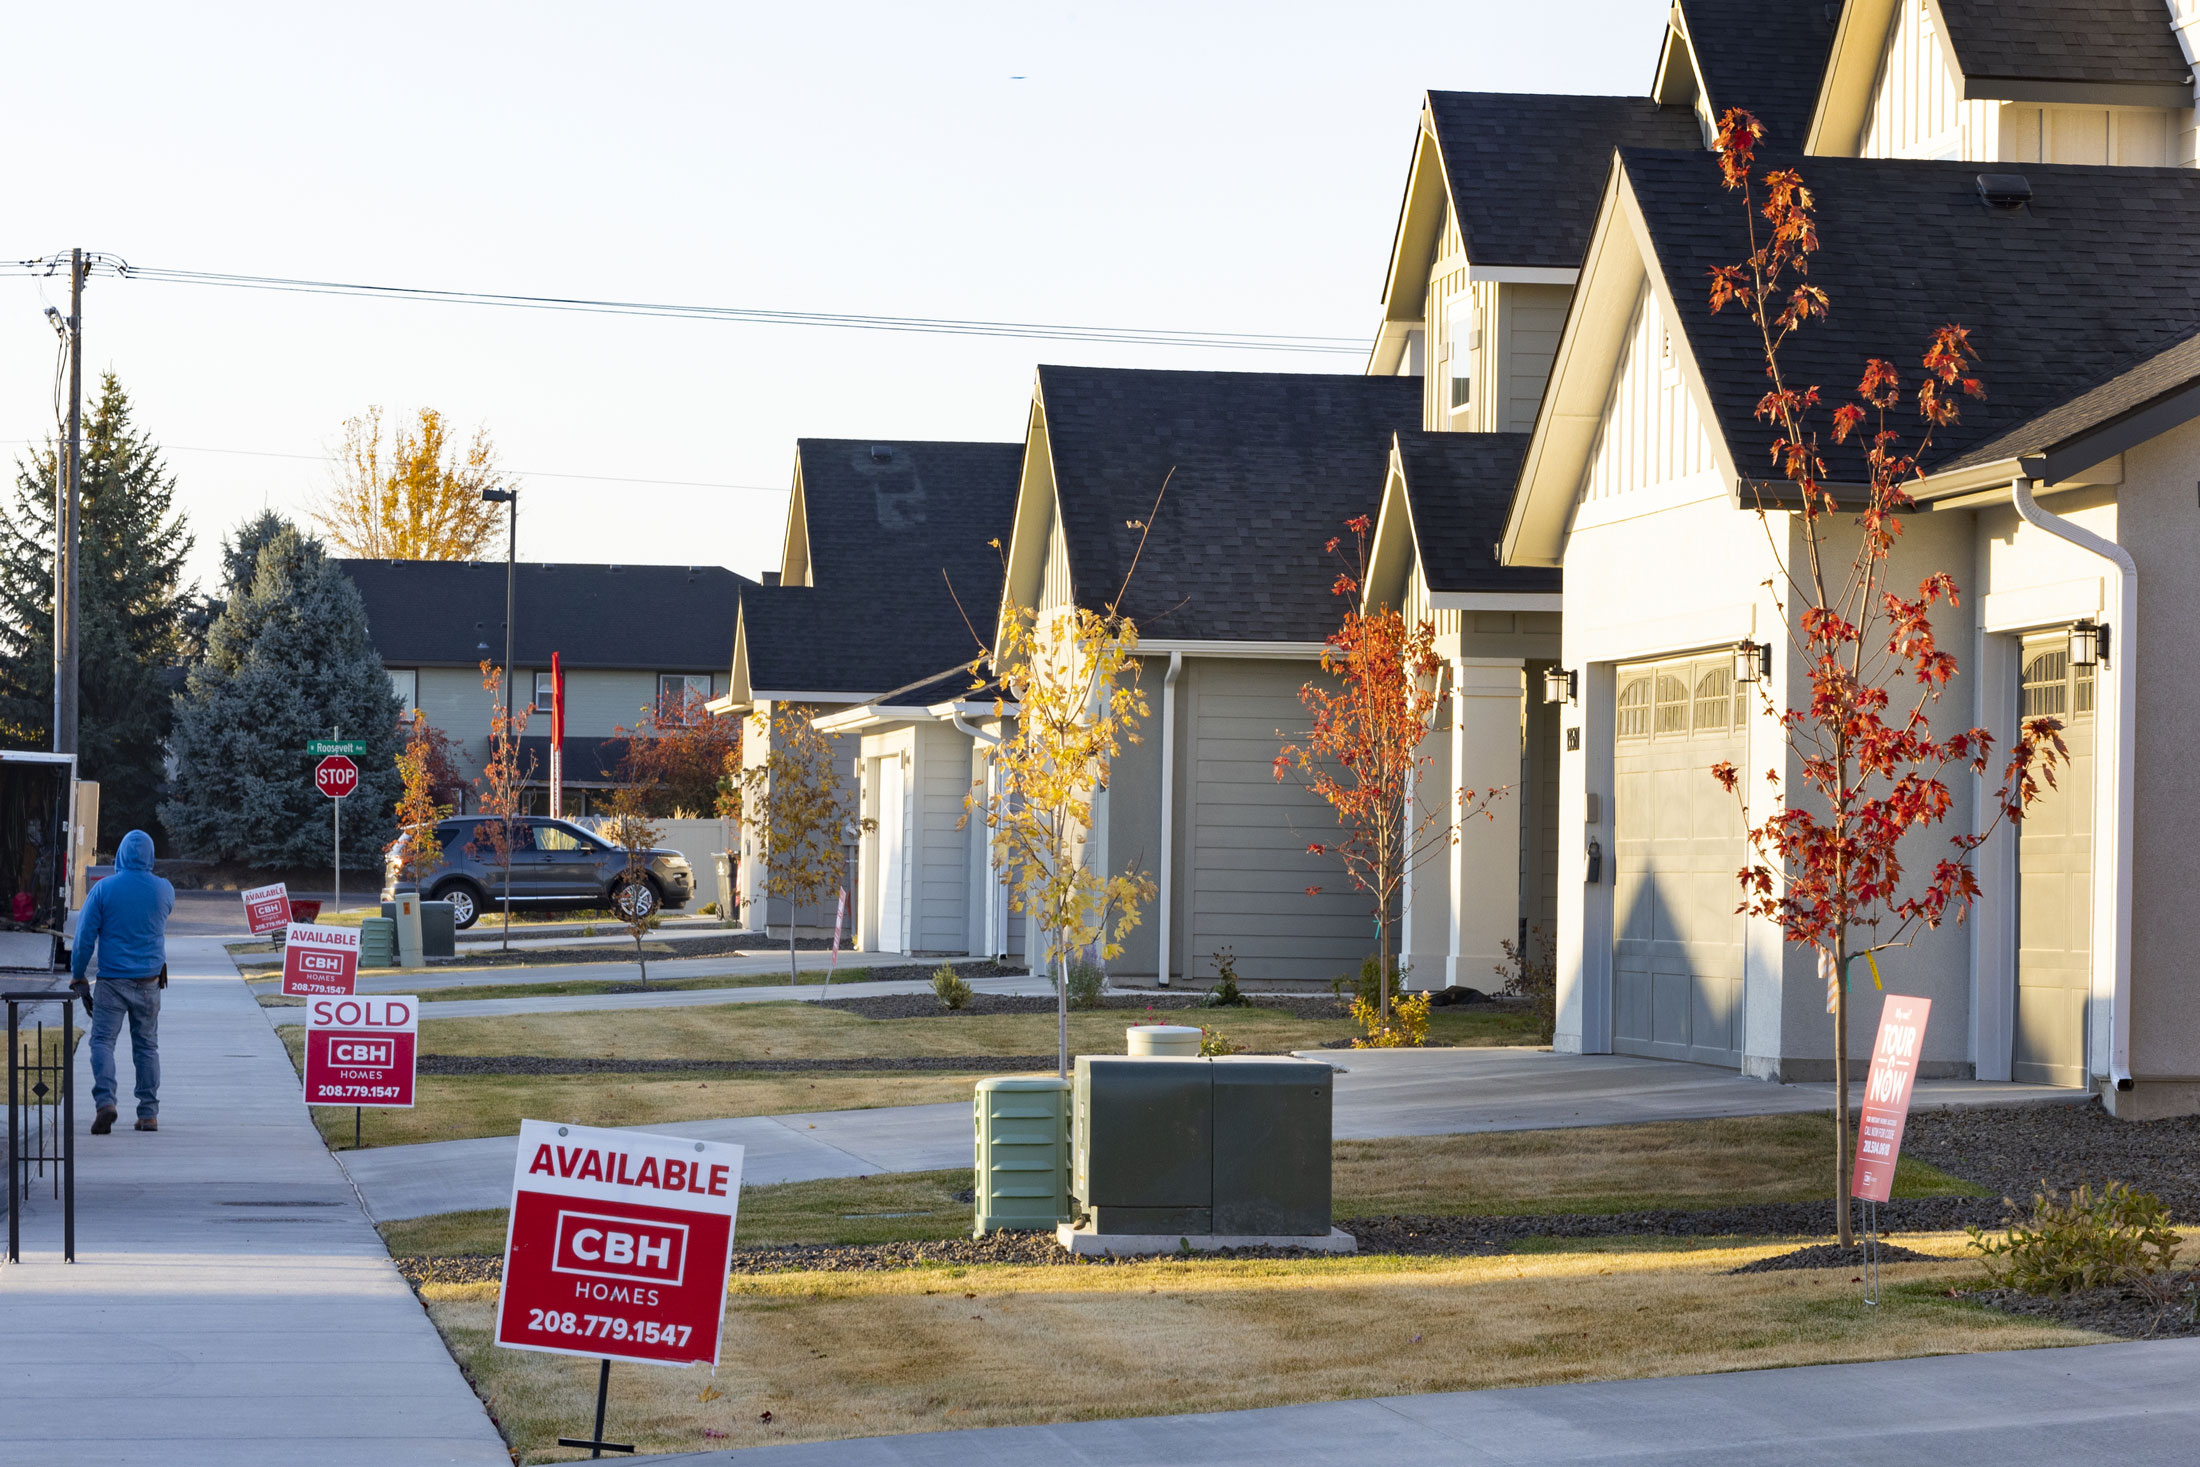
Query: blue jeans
{"type": "Point", "coordinates": [139, 999]}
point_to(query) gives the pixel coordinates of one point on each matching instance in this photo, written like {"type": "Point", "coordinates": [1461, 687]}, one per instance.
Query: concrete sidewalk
{"type": "Point", "coordinates": [230, 1302]}
{"type": "Point", "coordinates": [2128, 1404]}
{"type": "Point", "coordinates": [1427, 1092]}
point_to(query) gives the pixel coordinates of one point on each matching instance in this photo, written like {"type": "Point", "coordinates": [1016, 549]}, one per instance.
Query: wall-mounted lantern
{"type": "Point", "coordinates": [1560, 685]}
{"type": "Point", "coordinates": [1752, 662]}
{"type": "Point", "coordinates": [2088, 644]}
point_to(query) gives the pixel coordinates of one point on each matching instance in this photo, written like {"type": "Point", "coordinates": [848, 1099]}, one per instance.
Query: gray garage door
{"type": "Point", "coordinates": [2055, 879]}
{"type": "Point", "coordinates": [1677, 844]}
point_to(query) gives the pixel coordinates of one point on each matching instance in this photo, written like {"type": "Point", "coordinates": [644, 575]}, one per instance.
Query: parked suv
{"type": "Point", "coordinates": [556, 866]}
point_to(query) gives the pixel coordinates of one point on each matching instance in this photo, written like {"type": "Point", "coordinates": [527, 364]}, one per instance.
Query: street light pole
{"type": "Point", "coordinates": [68, 637]}
{"type": "Point", "coordinates": [509, 498]}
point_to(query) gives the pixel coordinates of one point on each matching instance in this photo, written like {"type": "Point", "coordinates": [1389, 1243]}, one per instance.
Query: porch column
{"type": "Point", "coordinates": [1486, 750]}
{"type": "Point", "coordinates": [1425, 919]}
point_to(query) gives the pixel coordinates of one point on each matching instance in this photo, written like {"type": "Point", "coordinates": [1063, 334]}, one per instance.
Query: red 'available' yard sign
{"type": "Point", "coordinates": [267, 908]}
{"type": "Point", "coordinates": [361, 1051]}
{"type": "Point", "coordinates": [320, 959]}
{"type": "Point", "coordinates": [1887, 1095]}
{"type": "Point", "coordinates": [619, 1244]}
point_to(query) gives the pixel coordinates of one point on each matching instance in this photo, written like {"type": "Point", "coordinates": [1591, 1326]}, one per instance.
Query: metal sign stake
{"type": "Point", "coordinates": [596, 1445]}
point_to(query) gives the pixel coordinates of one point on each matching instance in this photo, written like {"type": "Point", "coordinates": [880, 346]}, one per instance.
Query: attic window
{"type": "Point", "coordinates": [1460, 352]}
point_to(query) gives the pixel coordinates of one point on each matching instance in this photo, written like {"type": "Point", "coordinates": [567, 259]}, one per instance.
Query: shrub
{"type": "Point", "coordinates": [948, 986]}
{"type": "Point", "coordinates": [1530, 971]}
{"type": "Point", "coordinates": [1408, 1027]}
{"type": "Point", "coordinates": [2082, 1241]}
{"type": "Point", "coordinates": [1213, 1042]}
{"type": "Point", "coordinates": [707, 909]}
{"type": "Point", "coordinates": [1225, 995]}
{"type": "Point", "coordinates": [1366, 985]}
{"type": "Point", "coordinates": [1086, 983]}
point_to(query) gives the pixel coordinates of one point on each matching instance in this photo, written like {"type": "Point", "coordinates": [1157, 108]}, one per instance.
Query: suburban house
{"type": "Point", "coordinates": [888, 575]}
{"type": "Point", "coordinates": [1199, 504]}
{"type": "Point", "coordinates": [628, 638]}
{"type": "Point", "coordinates": [2047, 81]}
{"type": "Point", "coordinates": [2061, 503]}
{"type": "Point", "coordinates": [1434, 558]}
{"type": "Point", "coordinates": [1501, 198]}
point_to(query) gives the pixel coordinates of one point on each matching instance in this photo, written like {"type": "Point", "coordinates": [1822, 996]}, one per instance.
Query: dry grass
{"type": "Point", "coordinates": [843, 1355]}
{"type": "Point", "coordinates": [453, 1106]}
{"type": "Point", "coordinates": [796, 1030]}
{"type": "Point", "coordinates": [1663, 1164]}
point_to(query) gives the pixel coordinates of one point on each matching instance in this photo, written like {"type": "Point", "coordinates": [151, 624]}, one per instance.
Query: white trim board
{"type": "Point", "coordinates": [2022, 607]}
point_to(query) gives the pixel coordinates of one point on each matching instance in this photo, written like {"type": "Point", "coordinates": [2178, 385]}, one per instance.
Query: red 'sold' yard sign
{"type": "Point", "coordinates": [320, 959]}
{"type": "Point", "coordinates": [1887, 1095]}
{"type": "Point", "coordinates": [360, 1051]}
{"type": "Point", "coordinates": [618, 1245]}
{"type": "Point", "coordinates": [267, 908]}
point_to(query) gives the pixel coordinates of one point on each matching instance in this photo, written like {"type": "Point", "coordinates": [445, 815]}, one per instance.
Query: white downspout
{"type": "Point", "coordinates": [1168, 816]}
{"type": "Point", "coordinates": [2113, 776]}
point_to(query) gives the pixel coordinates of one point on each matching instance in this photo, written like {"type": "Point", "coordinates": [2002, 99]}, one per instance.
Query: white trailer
{"type": "Point", "coordinates": [49, 820]}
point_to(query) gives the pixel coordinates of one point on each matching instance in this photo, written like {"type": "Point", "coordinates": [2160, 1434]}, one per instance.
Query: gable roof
{"type": "Point", "coordinates": [1263, 468]}
{"type": "Point", "coordinates": [1765, 55]}
{"type": "Point", "coordinates": [890, 527]}
{"type": "Point", "coordinates": [2125, 42]}
{"type": "Point", "coordinates": [1458, 487]}
{"type": "Point", "coordinates": [2090, 279]}
{"type": "Point", "coordinates": [1525, 171]}
{"type": "Point", "coordinates": [666, 618]}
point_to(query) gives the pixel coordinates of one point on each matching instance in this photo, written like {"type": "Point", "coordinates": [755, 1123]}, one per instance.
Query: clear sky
{"type": "Point", "coordinates": [1231, 167]}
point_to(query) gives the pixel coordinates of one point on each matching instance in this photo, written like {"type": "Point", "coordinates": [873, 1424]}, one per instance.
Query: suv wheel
{"type": "Point", "coordinates": [635, 901]}
{"type": "Point", "coordinates": [465, 904]}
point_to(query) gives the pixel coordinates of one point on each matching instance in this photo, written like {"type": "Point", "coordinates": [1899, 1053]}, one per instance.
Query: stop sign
{"type": "Point", "coordinates": [336, 776]}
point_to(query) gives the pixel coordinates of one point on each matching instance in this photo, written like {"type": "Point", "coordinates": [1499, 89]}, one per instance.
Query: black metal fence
{"type": "Point", "coordinates": [41, 1113]}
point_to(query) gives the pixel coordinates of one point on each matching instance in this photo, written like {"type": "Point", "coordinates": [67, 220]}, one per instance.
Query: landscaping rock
{"type": "Point", "coordinates": [2128, 1312]}
{"type": "Point", "coordinates": [925, 1006]}
{"type": "Point", "coordinates": [2012, 1148]}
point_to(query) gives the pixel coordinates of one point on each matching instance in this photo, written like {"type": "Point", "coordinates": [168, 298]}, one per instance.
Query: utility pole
{"type": "Point", "coordinates": [69, 490]}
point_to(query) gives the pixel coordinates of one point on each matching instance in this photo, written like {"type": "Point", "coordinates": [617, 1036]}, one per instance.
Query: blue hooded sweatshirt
{"type": "Point", "coordinates": [125, 917]}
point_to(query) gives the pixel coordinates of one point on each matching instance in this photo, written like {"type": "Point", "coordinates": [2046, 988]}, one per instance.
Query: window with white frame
{"type": "Point", "coordinates": [545, 691]}
{"type": "Point", "coordinates": [1462, 339]}
{"type": "Point", "coordinates": [681, 696]}
{"type": "Point", "coordinates": [405, 682]}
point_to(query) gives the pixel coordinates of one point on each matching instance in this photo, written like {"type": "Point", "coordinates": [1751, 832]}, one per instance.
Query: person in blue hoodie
{"type": "Point", "coordinates": [125, 922]}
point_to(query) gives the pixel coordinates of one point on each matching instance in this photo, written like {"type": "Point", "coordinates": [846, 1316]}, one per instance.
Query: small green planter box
{"type": "Point", "coordinates": [1022, 1172]}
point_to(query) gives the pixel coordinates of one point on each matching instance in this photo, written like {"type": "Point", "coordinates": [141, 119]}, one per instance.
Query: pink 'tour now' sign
{"type": "Point", "coordinates": [1887, 1095]}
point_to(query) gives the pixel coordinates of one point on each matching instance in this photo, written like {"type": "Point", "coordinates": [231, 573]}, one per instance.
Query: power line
{"type": "Point", "coordinates": [325, 458]}
{"type": "Point", "coordinates": [929, 325]}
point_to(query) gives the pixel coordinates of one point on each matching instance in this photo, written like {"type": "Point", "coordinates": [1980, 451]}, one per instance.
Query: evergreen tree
{"type": "Point", "coordinates": [134, 613]}
{"type": "Point", "coordinates": [286, 661]}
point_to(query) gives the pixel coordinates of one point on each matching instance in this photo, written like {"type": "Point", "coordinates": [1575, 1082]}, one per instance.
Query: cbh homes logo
{"type": "Point", "coordinates": [605, 1246]}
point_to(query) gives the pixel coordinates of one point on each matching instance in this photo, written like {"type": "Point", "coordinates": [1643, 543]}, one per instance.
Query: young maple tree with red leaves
{"type": "Point", "coordinates": [1828, 865]}
{"type": "Point", "coordinates": [1366, 751]}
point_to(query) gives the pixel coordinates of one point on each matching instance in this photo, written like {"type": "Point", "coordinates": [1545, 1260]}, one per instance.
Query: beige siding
{"type": "Point", "coordinates": [1447, 285]}
{"type": "Point", "coordinates": [454, 701]}
{"type": "Point", "coordinates": [2124, 137]}
{"type": "Point", "coordinates": [1247, 866]}
{"type": "Point", "coordinates": [1651, 432]}
{"type": "Point", "coordinates": [1530, 320]}
{"type": "Point", "coordinates": [1054, 582]}
{"type": "Point", "coordinates": [596, 703]}
{"type": "Point", "coordinates": [1917, 108]}
{"type": "Point", "coordinates": [939, 864]}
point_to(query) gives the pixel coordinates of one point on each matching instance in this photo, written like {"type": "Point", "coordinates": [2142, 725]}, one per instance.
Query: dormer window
{"type": "Point", "coordinates": [1461, 336]}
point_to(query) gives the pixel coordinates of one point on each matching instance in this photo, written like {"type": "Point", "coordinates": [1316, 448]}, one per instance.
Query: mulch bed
{"type": "Point", "coordinates": [925, 1006]}
{"type": "Point", "coordinates": [1833, 1255]}
{"type": "Point", "coordinates": [2115, 1310]}
{"type": "Point", "coordinates": [531, 1064]}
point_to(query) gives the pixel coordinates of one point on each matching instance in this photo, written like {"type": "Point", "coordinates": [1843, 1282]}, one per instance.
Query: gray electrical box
{"type": "Point", "coordinates": [1232, 1145]}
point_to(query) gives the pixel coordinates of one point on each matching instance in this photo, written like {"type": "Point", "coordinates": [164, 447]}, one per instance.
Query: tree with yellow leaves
{"type": "Point", "coordinates": [1076, 702]}
{"type": "Point", "coordinates": [418, 498]}
{"type": "Point", "coordinates": [799, 807]}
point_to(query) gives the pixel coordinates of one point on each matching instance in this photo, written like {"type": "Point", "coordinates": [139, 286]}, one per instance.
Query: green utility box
{"type": "Point", "coordinates": [1226, 1146]}
{"type": "Point", "coordinates": [377, 943]}
{"type": "Point", "coordinates": [1022, 1172]}
{"type": "Point", "coordinates": [438, 928]}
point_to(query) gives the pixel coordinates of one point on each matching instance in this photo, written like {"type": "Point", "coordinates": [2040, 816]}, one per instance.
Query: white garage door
{"type": "Point", "coordinates": [2055, 879]}
{"type": "Point", "coordinates": [1677, 844]}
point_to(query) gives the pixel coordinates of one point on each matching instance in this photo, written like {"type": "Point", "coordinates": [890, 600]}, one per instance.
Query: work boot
{"type": "Point", "coordinates": [104, 1121]}
{"type": "Point", "coordinates": [148, 1123]}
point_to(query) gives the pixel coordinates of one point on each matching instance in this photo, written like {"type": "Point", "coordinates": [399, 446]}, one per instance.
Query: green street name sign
{"type": "Point", "coordinates": [322, 748]}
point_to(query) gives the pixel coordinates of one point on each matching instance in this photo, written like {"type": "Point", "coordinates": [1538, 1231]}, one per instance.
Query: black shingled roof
{"type": "Point", "coordinates": [1527, 170]}
{"type": "Point", "coordinates": [885, 519]}
{"type": "Point", "coordinates": [1768, 56]}
{"type": "Point", "coordinates": [1267, 468]}
{"type": "Point", "coordinates": [1459, 487]}
{"type": "Point", "coordinates": [669, 618]}
{"type": "Point", "coordinates": [2066, 40]}
{"type": "Point", "coordinates": [2095, 276]}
